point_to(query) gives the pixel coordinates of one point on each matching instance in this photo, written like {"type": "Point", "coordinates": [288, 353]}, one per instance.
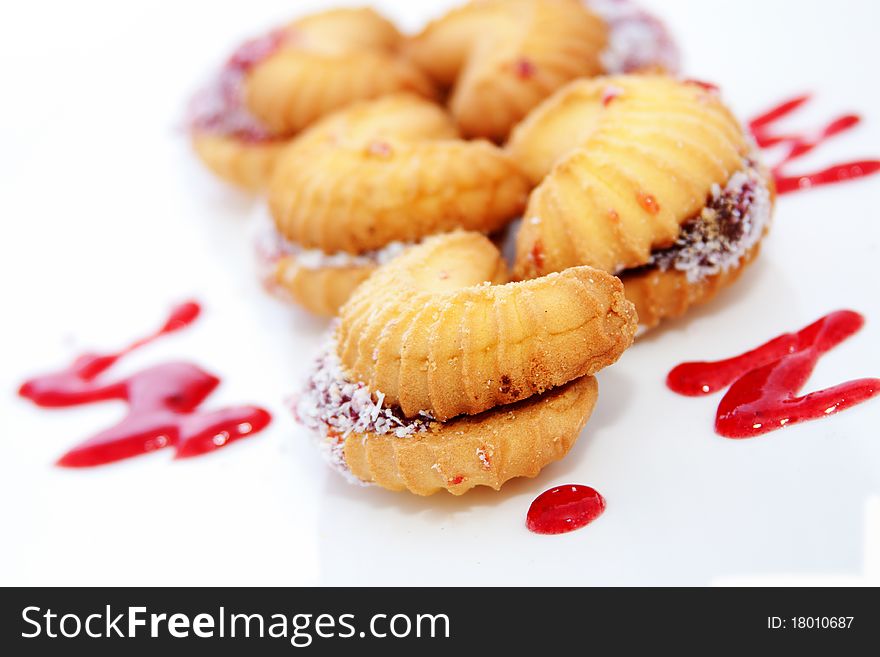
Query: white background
{"type": "Point", "coordinates": [107, 220]}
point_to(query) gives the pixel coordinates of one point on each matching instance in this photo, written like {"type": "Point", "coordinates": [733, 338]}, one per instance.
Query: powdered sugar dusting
{"type": "Point", "coordinates": [731, 223]}
{"type": "Point", "coordinates": [636, 39]}
{"type": "Point", "coordinates": [332, 408]}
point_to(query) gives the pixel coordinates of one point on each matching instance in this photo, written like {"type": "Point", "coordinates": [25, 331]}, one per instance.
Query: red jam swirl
{"type": "Point", "coordinates": [798, 145]}
{"type": "Point", "coordinates": [564, 508]}
{"type": "Point", "coordinates": [163, 403]}
{"type": "Point", "coordinates": [765, 382]}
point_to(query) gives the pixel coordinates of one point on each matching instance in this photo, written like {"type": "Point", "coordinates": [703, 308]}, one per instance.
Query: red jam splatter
{"type": "Point", "coordinates": [163, 404]}
{"type": "Point", "coordinates": [764, 382]}
{"type": "Point", "coordinates": [798, 145]}
{"type": "Point", "coordinates": [648, 202]}
{"type": "Point", "coordinates": [609, 93]}
{"type": "Point", "coordinates": [220, 108]}
{"type": "Point", "coordinates": [706, 86]}
{"type": "Point", "coordinates": [524, 68]}
{"type": "Point", "coordinates": [834, 174]}
{"type": "Point", "coordinates": [456, 480]}
{"type": "Point", "coordinates": [564, 508]}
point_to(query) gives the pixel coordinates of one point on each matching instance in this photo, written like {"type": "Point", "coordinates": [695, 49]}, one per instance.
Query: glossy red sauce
{"type": "Point", "coordinates": [765, 381]}
{"type": "Point", "coordinates": [797, 145]}
{"type": "Point", "coordinates": [564, 508]}
{"type": "Point", "coordinates": [163, 403]}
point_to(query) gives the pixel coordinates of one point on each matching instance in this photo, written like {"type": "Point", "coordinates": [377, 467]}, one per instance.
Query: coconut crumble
{"type": "Point", "coordinates": [731, 223]}
{"type": "Point", "coordinates": [636, 39]}
{"type": "Point", "coordinates": [271, 246]}
{"type": "Point", "coordinates": [332, 408]}
{"type": "Point", "coordinates": [219, 108]}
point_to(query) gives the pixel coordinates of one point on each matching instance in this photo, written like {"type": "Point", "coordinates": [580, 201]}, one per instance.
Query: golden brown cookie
{"type": "Point", "coordinates": [390, 170]}
{"type": "Point", "coordinates": [274, 86]}
{"type": "Point", "coordinates": [476, 450]}
{"type": "Point", "coordinates": [428, 333]}
{"type": "Point", "coordinates": [641, 173]}
{"type": "Point", "coordinates": [440, 375]}
{"type": "Point", "coordinates": [361, 184]}
{"type": "Point", "coordinates": [321, 290]}
{"type": "Point", "coordinates": [502, 57]}
{"type": "Point", "coordinates": [248, 166]}
{"type": "Point", "coordinates": [663, 294]}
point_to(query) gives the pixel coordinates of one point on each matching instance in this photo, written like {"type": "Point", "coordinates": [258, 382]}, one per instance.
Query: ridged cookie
{"type": "Point", "coordinates": [435, 335]}
{"type": "Point", "coordinates": [276, 85]}
{"type": "Point", "coordinates": [503, 57]}
{"type": "Point", "coordinates": [622, 162]}
{"type": "Point", "coordinates": [478, 450]}
{"type": "Point", "coordinates": [246, 165]}
{"type": "Point", "coordinates": [659, 295]}
{"type": "Point", "coordinates": [320, 290]}
{"type": "Point", "coordinates": [390, 170]}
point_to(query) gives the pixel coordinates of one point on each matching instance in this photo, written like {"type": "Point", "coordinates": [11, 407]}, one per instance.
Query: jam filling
{"type": "Point", "coordinates": [331, 407]}
{"type": "Point", "coordinates": [729, 225]}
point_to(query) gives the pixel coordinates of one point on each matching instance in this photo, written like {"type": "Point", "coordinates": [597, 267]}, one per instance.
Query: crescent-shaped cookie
{"type": "Point", "coordinates": [442, 376]}
{"type": "Point", "coordinates": [476, 450]}
{"type": "Point", "coordinates": [622, 163]}
{"type": "Point", "coordinates": [390, 170]}
{"type": "Point", "coordinates": [645, 176]}
{"type": "Point", "coordinates": [274, 86]}
{"type": "Point", "coordinates": [502, 57]}
{"type": "Point", "coordinates": [433, 333]}
{"type": "Point", "coordinates": [664, 294]}
{"type": "Point", "coordinates": [320, 290]}
{"type": "Point", "coordinates": [246, 165]}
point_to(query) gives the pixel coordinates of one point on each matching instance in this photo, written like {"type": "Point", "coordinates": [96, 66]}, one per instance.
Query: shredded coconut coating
{"type": "Point", "coordinates": [271, 246]}
{"type": "Point", "coordinates": [219, 107]}
{"type": "Point", "coordinates": [731, 223]}
{"type": "Point", "coordinates": [332, 408]}
{"type": "Point", "coordinates": [636, 39]}
{"type": "Point", "coordinates": [317, 259]}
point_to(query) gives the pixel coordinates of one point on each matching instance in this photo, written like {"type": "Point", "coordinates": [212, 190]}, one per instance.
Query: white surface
{"type": "Point", "coordinates": [108, 220]}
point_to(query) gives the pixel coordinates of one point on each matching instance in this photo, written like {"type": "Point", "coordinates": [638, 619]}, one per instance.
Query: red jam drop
{"type": "Point", "coordinates": [163, 403]}
{"type": "Point", "coordinates": [537, 255]}
{"type": "Point", "coordinates": [648, 203]}
{"type": "Point", "coordinates": [524, 68]}
{"type": "Point", "coordinates": [564, 508]}
{"type": "Point", "coordinates": [609, 93]}
{"type": "Point", "coordinates": [798, 145]}
{"type": "Point", "coordinates": [764, 382]}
